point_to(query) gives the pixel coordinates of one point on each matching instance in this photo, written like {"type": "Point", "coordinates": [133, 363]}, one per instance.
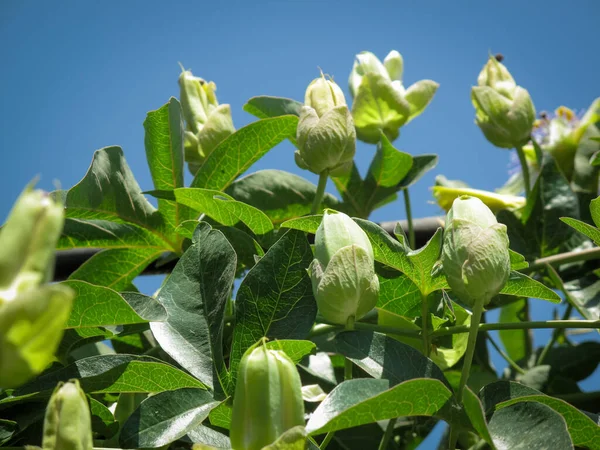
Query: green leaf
{"type": "Point", "coordinates": [351, 188]}
{"type": "Point", "coordinates": [584, 432]}
{"type": "Point", "coordinates": [264, 106]}
{"type": "Point", "coordinates": [574, 362]}
{"type": "Point", "coordinates": [421, 165]}
{"type": "Point", "coordinates": [474, 410]}
{"type": "Point", "coordinates": [166, 417]}
{"type": "Point", "coordinates": [516, 342]}
{"type": "Point", "coordinates": [521, 285]}
{"type": "Point", "coordinates": [195, 296]}
{"type": "Point", "coordinates": [388, 168]}
{"type": "Point", "coordinates": [275, 298]}
{"type": "Point", "coordinates": [116, 268]}
{"type": "Point", "coordinates": [293, 439]}
{"type": "Point", "coordinates": [221, 416]}
{"type": "Point", "coordinates": [528, 426]}
{"type": "Point", "coordinates": [295, 349]}
{"type": "Point", "coordinates": [361, 401]}
{"type": "Point", "coordinates": [585, 293]}
{"type": "Point", "coordinates": [246, 248]}
{"type": "Point", "coordinates": [164, 151]}
{"type": "Point", "coordinates": [586, 229]}
{"type": "Point", "coordinates": [280, 195]}
{"type": "Point", "coordinates": [595, 211]}
{"type": "Point", "coordinates": [383, 357]}
{"type": "Point", "coordinates": [234, 155]}
{"type": "Point", "coordinates": [224, 209]}
{"type": "Point", "coordinates": [308, 224]}
{"type": "Point", "coordinates": [103, 421]}
{"type": "Point", "coordinates": [207, 436]}
{"type": "Point", "coordinates": [109, 192]}
{"type": "Point", "coordinates": [7, 429]}
{"type": "Point", "coordinates": [517, 261]}
{"type": "Point", "coordinates": [398, 294]}
{"type": "Point", "coordinates": [97, 306]}
{"type": "Point", "coordinates": [112, 373]}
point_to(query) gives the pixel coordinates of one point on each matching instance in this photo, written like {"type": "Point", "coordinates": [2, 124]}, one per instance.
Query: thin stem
{"type": "Point", "coordinates": [425, 324]}
{"type": "Point", "coordinates": [464, 376]}
{"type": "Point", "coordinates": [316, 206]}
{"type": "Point", "coordinates": [524, 169]}
{"type": "Point", "coordinates": [508, 359]}
{"type": "Point", "coordinates": [453, 437]}
{"type": "Point", "coordinates": [563, 258]}
{"type": "Point", "coordinates": [347, 369]}
{"type": "Point", "coordinates": [327, 440]}
{"type": "Point", "coordinates": [389, 431]}
{"type": "Point", "coordinates": [411, 228]}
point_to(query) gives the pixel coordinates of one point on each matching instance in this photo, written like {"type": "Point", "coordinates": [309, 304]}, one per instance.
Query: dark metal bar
{"type": "Point", "coordinates": [68, 261]}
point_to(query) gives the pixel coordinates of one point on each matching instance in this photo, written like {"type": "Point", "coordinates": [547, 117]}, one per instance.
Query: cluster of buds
{"type": "Point", "coordinates": [475, 255]}
{"type": "Point", "coordinates": [207, 122]}
{"type": "Point", "coordinates": [32, 313]}
{"type": "Point", "coordinates": [381, 103]}
{"type": "Point", "coordinates": [326, 137]}
{"type": "Point", "coordinates": [68, 423]}
{"type": "Point", "coordinates": [268, 398]}
{"type": "Point", "coordinates": [503, 111]}
{"type": "Point", "coordinates": [343, 272]}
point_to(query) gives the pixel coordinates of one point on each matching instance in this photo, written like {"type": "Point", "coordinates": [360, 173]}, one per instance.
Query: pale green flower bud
{"type": "Point", "coordinates": [68, 423]}
{"type": "Point", "coordinates": [207, 122]}
{"type": "Point", "coordinates": [343, 273]}
{"type": "Point", "coordinates": [325, 136]}
{"type": "Point", "coordinates": [475, 254]}
{"type": "Point", "coordinates": [323, 95]}
{"type": "Point", "coordinates": [27, 242]}
{"type": "Point", "coordinates": [381, 102]}
{"type": "Point", "coordinates": [268, 398]}
{"type": "Point", "coordinates": [32, 315]}
{"type": "Point", "coordinates": [503, 111]}
{"type": "Point", "coordinates": [445, 196]}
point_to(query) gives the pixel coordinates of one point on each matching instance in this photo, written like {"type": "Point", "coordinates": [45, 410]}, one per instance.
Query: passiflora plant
{"type": "Point", "coordinates": [287, 319]}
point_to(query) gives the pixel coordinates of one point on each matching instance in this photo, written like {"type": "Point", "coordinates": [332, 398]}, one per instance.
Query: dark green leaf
{"type": "Point", "coordinates": [207, 436]}
{"type": "Point", "coordinates": [224, 209]}
{"type": "Point", "coordinates": [116, 268]}
{"type": "Point", "coordinates": [97, 306]}
{"type": "Point", "coordinates": [7, 429]}
{"type": "Point", "coordinates": [585, 293]}
{"type": "Point", "coordinates": [421, 165]}
{"type": "Point", "coordinates": [351, 188]}
{"type": "Point", "coordinates": [529, 426]}
{"type": "Point", "coordinates": [238, 152]}
{"type": "Point", "coordinates": [388, 168]}
{"type": "Point", "coordinates": [365, 400]}
{"type": "Point", "coordinates": [264, 106]}
{"type": "Point", "coordinates": [586, 229]}
{"type": "Point", "coordinates": [384, 357]}
{"type": "Point", "coordinates": [113, 373]}
{"type": "Point", "coordinates": [165, 417]}
{"type": "Point", "coordinates": [103, 421]}
{"type": "Point", "coordinates": [275, 299]}
{"type": "Point", "coordinates": [164, 151]}
{"type": "Point", "coordinates": [521, 285]}
{"type": "Point", "coordinates": [474, 410]}
{"type": "Point", "coordinates": [195, 296]}
{"type": "Point", "coordinates": [280, 195]}
{"type": "Point", "coordinates": [574, 362]}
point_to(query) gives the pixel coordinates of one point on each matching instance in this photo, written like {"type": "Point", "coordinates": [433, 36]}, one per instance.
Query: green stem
{"type": "Point", "coordinates": [474, 329]}
{"type": "Point", "coordinates": [389, 431]}
{"type": "Point", "coordinates": [524, 169]}
{"type": "Point", "coordinates": [508, 359]}
{"type": "Point", "coordinates": [316, 206]}
{"type": "Point", "coordinates": [347, 369]}
{"type": "Point", "coordinates": [454, 431]}
{"type": "Point", "coordinates": [563, 258]}
{"type": "Point", "coordinates": [411, 228]}
{"type": "Point", "coordinates": [327, 440]}
{"type": "Point", "coordinates": [425, 324]}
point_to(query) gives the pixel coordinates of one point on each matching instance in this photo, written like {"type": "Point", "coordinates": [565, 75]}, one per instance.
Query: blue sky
{"type": "Point", "coordinates": [77, 76]}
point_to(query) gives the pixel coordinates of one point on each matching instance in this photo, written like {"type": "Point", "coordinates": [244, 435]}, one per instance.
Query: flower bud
{"type": "Point", "coordinates": [68, 423]}
{"type": "Point", "coordinates": [503, 111]}
{"type": "Point", "coordinates": [326, 137]}
{"type": "Point", "coordinates": [343, 274]}
{"type": "Point", "coordinates": [381, 102]}
{"type": "Point", "coordinates": [32, 314]}
{"type": "Point", "coordinates": [268, 398]}
{"type": "Point", "coordinates": [475, 254]}
{"type": "Point", "coordinates": [207, 122]}
{"type": "Point", "coordinates": [27, 242]}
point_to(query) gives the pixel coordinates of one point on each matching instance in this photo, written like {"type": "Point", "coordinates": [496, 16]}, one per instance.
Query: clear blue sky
{"type": "Point", "coordinates": [80, 75]}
